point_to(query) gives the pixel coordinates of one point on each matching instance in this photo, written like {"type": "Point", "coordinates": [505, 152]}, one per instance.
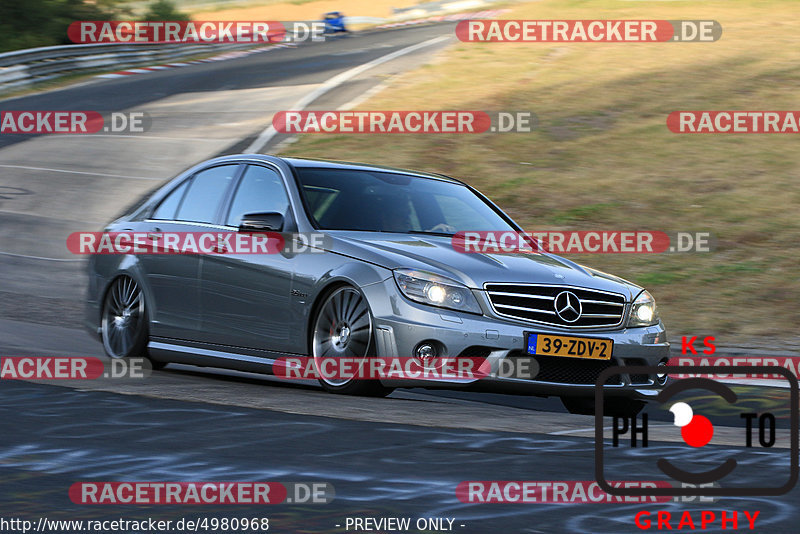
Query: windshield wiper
{"type": "Point", "coordinates": [422, 232]}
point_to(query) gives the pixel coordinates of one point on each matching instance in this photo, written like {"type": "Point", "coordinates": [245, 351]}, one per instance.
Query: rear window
{"type": "Point", "coordinates": [206, 191]}
{"type": "Point", "coordinates": [167, 208]}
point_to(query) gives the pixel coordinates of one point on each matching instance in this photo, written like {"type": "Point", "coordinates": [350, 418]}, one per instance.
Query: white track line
{"type": "Point", "coordinates": [25, 167]}
{"type": "Point", "coordinates": [38, 257]}
{"type": "Point", "coordinates": [334, 82]}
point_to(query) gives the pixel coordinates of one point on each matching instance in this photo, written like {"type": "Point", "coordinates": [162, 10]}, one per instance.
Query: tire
{"type": "Point", "coordinates": [342, 327]}
{"type": "Point", "coordinates": [124, 321]}
{"type": "Point", "coordinates": [612, 406]}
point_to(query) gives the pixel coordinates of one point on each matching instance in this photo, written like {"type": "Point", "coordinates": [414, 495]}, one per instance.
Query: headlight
{"type": "Point", "coordinates": [435, 290]}
{"type": "Point", "coordinates": [643, 310]}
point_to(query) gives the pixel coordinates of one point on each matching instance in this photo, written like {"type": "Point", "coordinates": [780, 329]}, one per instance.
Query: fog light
{"type": "Point", "coordinates": [427, 353]}
{"type": "Point", "coordinates": [661, 378]}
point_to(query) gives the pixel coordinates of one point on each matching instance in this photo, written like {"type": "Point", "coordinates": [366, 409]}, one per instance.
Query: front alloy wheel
{"type": "Point", "coordinates": [343, 329]}
{"type": "Point", "coordinates": [124, 321]}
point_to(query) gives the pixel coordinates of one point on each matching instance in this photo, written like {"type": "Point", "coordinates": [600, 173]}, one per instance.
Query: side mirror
{"type": "Point", "coordinates": [261, 222]}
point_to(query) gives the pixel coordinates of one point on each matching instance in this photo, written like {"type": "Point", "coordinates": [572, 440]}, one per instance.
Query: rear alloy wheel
{"type": "Point", "coordinates": [124, 321]}
{"type": "Point", "coordinates": [343, 329]}
{"type": "Point", "coordinates": [612, 406]}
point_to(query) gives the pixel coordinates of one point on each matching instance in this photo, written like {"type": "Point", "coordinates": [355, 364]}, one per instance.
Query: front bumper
{"type": "Point", "coordinates": [400, 325]}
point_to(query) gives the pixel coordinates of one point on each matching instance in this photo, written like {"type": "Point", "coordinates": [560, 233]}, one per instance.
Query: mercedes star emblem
{"type": "Point", "coordinates": [568, 306]}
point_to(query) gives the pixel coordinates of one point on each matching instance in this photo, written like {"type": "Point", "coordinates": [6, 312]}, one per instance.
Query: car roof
{"type": "Point", "coordinates": [310, 163]}
{"type": "Point", "coordinates": [331, 164]}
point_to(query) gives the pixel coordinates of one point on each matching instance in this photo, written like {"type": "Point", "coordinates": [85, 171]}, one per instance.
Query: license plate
{"type": "Point", "coordinates": [570, 346]}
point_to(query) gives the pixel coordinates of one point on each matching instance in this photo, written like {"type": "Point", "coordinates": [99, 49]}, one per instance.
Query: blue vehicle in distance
{"type": "Point", "coordinates": [334, 22]}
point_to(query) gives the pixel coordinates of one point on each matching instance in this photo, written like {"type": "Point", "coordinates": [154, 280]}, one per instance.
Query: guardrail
{"type": "Point", "coordinates": [21, 68]}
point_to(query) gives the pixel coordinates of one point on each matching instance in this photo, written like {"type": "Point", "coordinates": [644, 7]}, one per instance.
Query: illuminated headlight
{"type": "Point", "coordinates": [435, 290]}
{"type": "Point", "coordinates": [643, 311]}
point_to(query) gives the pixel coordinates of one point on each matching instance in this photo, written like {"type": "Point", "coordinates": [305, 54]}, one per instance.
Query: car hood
{"type": "Point", "coordinates": [436, 254]}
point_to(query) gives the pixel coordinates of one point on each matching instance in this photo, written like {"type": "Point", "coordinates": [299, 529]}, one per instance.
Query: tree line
{"type": "Point", "coordinates": [32, 23]}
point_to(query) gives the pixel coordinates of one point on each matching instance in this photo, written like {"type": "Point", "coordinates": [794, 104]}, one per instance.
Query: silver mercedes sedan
{"type": "Point", "coordinates": [384, 281]}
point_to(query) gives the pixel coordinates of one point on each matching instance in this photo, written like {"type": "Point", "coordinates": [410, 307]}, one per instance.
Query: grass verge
{"type": "Point", "coordinates": [603, 158]}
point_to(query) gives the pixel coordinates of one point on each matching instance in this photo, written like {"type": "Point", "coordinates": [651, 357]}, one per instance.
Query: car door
{"type": "Point", "coordinates": [193, 206]}
{"type": "Point", "coordinates": [246, 297]}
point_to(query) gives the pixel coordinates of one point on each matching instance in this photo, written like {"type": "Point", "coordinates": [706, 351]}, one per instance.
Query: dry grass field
{"type": "Point", "coordinates": [603, 158]}
{"type": "Point", "coordinates": [301, 9]}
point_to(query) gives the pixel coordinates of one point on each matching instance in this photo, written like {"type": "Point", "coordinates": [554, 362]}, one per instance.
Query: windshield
{"type": "Point", "coordinates": [344, 199]}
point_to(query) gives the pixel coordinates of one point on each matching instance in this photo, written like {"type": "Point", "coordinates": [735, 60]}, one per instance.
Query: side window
{"type": "Point", "coordinates": [260, 191]}
{"type": "Point", "coordinates": [166, 210]}
{"type": "Point", "coordinates": [205, 193]}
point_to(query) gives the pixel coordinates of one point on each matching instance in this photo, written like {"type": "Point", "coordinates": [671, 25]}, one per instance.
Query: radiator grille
{"type": "Point", "coordinates": [539, 303]}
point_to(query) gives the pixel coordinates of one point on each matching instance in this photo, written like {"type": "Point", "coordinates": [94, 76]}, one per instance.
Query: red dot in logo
{"type": "Point", "coordinates": [698, 432]}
